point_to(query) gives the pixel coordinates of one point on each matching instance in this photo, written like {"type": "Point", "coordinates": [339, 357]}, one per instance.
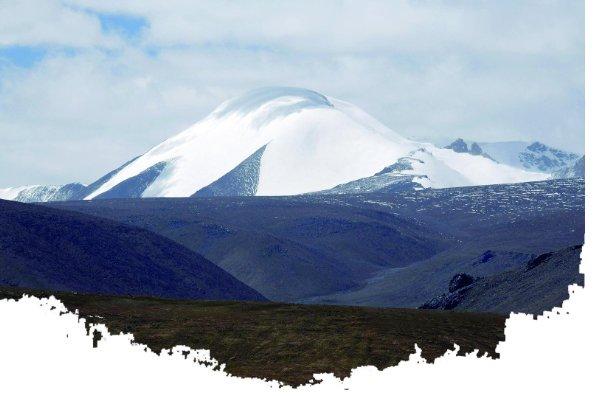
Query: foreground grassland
{"type": "Point", "coordinates": [287, 342]}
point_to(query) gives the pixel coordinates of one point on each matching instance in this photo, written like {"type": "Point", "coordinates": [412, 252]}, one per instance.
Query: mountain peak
{"type": "Point", "coordinates": [537, 147]}
{"type": "Point", "coordinates": [458, 146]}
{"type": "Point", "coordinates": [276, 101]}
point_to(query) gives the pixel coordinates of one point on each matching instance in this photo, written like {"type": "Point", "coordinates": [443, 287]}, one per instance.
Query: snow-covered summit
{"type": "Point", "coordinates": [312, 143]}
{"type": "Point", "coordinates": [285, 141]}
{"type": "Point", "coordinates": [272, 102]}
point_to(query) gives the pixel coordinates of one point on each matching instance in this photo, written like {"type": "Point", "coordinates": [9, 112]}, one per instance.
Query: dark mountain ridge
{"type": "Point", "coordinates": [53, 249]}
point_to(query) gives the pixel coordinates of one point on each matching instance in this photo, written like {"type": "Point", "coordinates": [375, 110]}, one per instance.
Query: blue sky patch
{"type": "Point", "coordinates": [22, 56]}
{"type": "Point", "coordinates": [127, 26]}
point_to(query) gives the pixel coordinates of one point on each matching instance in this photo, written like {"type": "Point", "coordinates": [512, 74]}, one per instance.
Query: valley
{"type": "Point", "coordinates": [389, 250]}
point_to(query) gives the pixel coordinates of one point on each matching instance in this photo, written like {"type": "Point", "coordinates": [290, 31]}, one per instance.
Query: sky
{"type": "Point", "coordinates": [86, 85]}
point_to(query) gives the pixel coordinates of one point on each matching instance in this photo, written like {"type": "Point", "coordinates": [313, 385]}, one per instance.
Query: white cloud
{"type": "Point", "coordinates": [35, 23]}
{"type": "Point", "coordinates": [527, 27]}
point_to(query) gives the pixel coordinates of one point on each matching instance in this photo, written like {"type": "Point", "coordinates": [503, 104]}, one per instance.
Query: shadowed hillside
{"type": "Point", "coordinates": [285, 248]}
{"type": "Point", "coordinates": [367, 249]}
{"type": "Point", "coordinates": [537, 286]}
{"type": "Point", "coordinates": [53, 249]}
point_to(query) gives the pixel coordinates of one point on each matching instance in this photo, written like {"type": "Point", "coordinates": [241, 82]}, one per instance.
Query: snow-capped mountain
{"type": "Point", "coordinates": [536, 156]}
{"type": "Point", "coordinates": [296, 141]}
{"type": "Point", "coordinates": [37, 193]}
{"type": "Point", "coordinates": [286, 141]}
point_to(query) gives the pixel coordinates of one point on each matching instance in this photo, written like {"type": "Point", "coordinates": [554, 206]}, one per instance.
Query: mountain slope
{"type": "Point", "coordinates": [435, 168]}
{"type": "Point", "coordinates": [502, 219]}
{"type": "Point", "coordinates": [240, 181]}
{"type": "Point", "coordinates": [135, 186]}
{"type": "Point", "coordinates": [312, 142]}
{"type": "Point", "coordinates": [66, 192]}
{"type": "Point", "coordinates": [538, 286]}
{"type": "Point", "coordinates": [51, 249]}
{"type": "Point", "coordinates": [575, 170]}
{"type": "Point", "coordinates": [287, 248]}
{"type": "Point", "coordinates": [397, 249]}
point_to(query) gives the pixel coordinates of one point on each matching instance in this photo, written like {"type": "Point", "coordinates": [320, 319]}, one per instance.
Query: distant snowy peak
{"type": "Point", "coordinates": [460, 146]}
{"type": "Point", "coordinates": [286, 141]}
{"type": "Point", "coordinates": [38, 193]}
{"type": "Point", "coordinates": [545, 158]}
{"type": "Point", "coordinates": [534, 156]}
